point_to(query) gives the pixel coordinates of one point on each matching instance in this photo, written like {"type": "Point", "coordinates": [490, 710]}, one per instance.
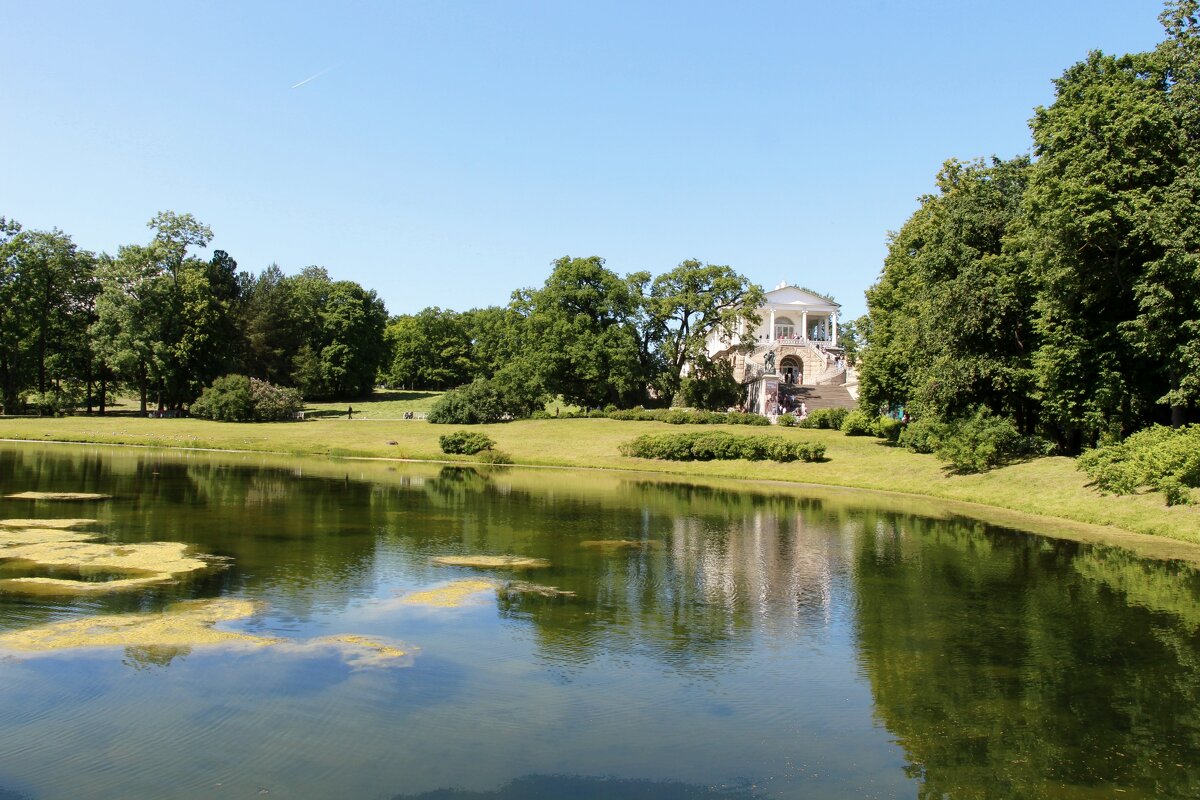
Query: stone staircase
{"type": "Point", "coordinates": [815, 397]}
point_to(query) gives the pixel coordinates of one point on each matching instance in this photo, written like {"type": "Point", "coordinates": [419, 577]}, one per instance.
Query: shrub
{"type": "Point", "coordinates": [889, 429]}
{"type": "Point", "coordinates": [827, 418]}
{"type": "Point", "coordinates": [465, 443]}
{"type": "Point", "coordinates": [1158, 458]}
{"type": "Point", "coordinates": [273, 403]}
{"type": "Point", "coordinates": [228, 399]}
{"type": "Point", "coordinates": [484, 400]}
{"type": "Point", "coordinates": [596, 413]}
{"type": "Point", "coordinates": [718, 445]}
{"type": "Point", "coordinates": [495, 457]}
{"type": "Point", "coordinates": [786, 420]}
{"type": "Point", "coordinates": [541, 414]}
{"type": "Point", "coordinates": [858, 423]}
{"type": "Point", "coordinates": [921, 435]}
{"type": "Point", "coordinates": [979, 442]}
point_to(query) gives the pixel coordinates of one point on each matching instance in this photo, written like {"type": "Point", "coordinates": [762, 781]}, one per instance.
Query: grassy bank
{"type": "Point", "coordinates": [1049, 487]}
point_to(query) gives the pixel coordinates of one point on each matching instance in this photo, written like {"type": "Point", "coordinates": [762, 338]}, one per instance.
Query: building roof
{"type": "Point", "coordinates": [795, 296]}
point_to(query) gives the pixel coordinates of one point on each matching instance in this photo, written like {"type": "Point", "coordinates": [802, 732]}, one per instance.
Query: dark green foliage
{"type": "Point", "coordinates": [980, 442]}
{"type": "Point", "coordinates": [430, 350]}
{"type": "Point", "coordinates": [888, 428]}
{"type": "Point", "coordinates": [921, 435]}
{"type": "Point", "coordinates": [786, 421]}
{"type": "Point", "coordinates": [228, 399]}
{"type": "Point", "coordinates": [465, 443]}
{"type": "Point", "coordinates": [1158, 458]}
{"type": "Point", "coordinates": [718, 445]}
{"type": "Point", "coordinates": [824, 418]}
{"type": "Point", "coordinates": [710, 385]}
{"type": "Point", "coordinates": [858, 423]}
{"type": "Point", "coordinates": [482, 401]}
{"type": "Point", "coordinates": [236, 398]}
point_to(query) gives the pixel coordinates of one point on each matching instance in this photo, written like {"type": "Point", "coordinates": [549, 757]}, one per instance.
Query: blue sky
{"type": "Point", "coordinates": [453, 150]}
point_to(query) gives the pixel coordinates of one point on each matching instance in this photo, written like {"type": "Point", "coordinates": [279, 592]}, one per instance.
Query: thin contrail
{"type": "Point", "coordinates": [311, 78]}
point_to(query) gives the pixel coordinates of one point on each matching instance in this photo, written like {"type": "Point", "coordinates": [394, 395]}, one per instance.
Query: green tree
{"type": "Point", "coordinates": [692, 301]}
{"type": "Point", "coordinates": [949, 319]}
{"type": "Point", "coordinates": [1108, 149]}
{"type": "Point", "coordinates": [580, 336]}
{"type": "Point", "coordinates": [430, 350]}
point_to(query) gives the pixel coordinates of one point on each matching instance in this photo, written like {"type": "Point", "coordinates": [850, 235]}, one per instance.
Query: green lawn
{"type": "Point", "coordinates": [1049, 487]}
{"type": "Point", "coordinates": [383, 404]}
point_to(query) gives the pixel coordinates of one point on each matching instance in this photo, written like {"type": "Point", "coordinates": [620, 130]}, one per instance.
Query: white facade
{"type": "Point", "coordinates": [790, 316]}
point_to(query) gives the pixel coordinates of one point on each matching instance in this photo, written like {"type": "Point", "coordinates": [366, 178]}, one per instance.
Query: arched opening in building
{"type": "Point", "coordinates": [792, 370]}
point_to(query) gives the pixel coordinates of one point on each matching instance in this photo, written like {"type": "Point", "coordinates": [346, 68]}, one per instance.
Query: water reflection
{"type": "Point", "coordinates": [814, 646]}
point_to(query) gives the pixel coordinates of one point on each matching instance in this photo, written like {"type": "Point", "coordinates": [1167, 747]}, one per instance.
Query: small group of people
{"type": "Point", "coordinates": [787, 405]}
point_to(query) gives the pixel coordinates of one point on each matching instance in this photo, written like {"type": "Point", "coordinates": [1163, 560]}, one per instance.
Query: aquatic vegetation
{"type": "Point", "coordinates": [187, 624]}
{"type": "Point", "coordinates": [492, 562]}
{"type": "Point", "coordinates": [460, 593]}
{"type": "Point", "coordinates": [81, 496]}
{"type": "Point", "coordinates": [139, 565]}
{"type": "Point", "coordinates": [156, 638]}
{"type": "Point", "coordinates": [145, 564]}
{"type": "Point", "coordinates": [450, 595]}
{"type": "Point", "coordinates": [46, 523]}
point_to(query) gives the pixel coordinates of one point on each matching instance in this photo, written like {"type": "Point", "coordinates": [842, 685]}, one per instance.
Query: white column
{"type": "Point", "coordinates": [804, 324]}
{"type": "Point", "coordinates": [833, 319]}
{"type": "Point", "coordinates": [771, 330]}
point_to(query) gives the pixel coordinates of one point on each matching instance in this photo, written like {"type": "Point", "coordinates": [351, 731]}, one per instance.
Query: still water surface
{"type": "Point", "coordinates": [761, 644]}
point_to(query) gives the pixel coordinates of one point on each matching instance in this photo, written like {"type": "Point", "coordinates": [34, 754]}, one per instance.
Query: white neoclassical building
{"type": "Point", "coordinates": [794, 344]}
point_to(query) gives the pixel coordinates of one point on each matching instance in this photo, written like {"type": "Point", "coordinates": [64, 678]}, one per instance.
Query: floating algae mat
{"type": "Point", "coordinates": [81, 496]}
{"type": "Point", "coordinates": [450, 595]}
{"type": "Point", "coordinates": [459, 593]}
{"type": "Point", "coordinates": [492, 562]}
{"type": "Point", "coordinates": [190, 624]}
{"type": "Point", "coordinates": [46, 523]}
{"type": "Point", "coordinates": [54, 548]}
{"type": "Point", "coordinates": [621, 544]}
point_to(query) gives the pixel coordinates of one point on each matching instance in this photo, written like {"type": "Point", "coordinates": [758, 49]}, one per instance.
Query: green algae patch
{"type": "Point", "coordinates": [621, 544]}
{"type": "Point", "coordinates": [360, 651]}
{"type": "Point", "coordinates": [492, 562]}
{"type": "Point", "coordinates": [450, 595]}
{"type": "Point", "coordinates": [136, 565]}
{"type": "Point", "coordinates": [145, 564]}
{"type": "Point", "coordinates": [154, 639]}
{"type": "Point", "coordinates": [183, 625]}
{"type": "Point", "coordinates": [57, 524]}
{"type": "Point", "coordinates": [457, 594]}
{"type": "Point", "coordinates": [76, 496]}
{"type": "Point", "coordinates": [13, 537]}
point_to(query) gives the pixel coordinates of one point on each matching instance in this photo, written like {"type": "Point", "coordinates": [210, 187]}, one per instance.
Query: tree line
{"type": "Point", "coordinates": [163, 323]}
{"type": "Point", "coordinates": [1060, 293]}
{"type": "Point", "coordinates": [157, 320]}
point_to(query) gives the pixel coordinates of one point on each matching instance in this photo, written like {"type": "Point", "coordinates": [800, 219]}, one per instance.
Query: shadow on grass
{"type": "Point", "coordinates": [569, 787]}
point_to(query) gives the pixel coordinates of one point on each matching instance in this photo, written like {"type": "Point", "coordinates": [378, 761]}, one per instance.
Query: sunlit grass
{"type": "Point", "coordinates": [1051, 487]}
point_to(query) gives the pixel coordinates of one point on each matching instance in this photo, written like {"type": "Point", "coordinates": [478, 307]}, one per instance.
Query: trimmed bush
{"type": "Point", "coordinates": [718, 445]}
{"type": "Point", "coordinates": [1157, 458]}
{"type": "Point", "coordinates": [825, 418]}
{"type": "Point", "coordinates": [786, 420]}
{"type": "Point", "coordinates": [858, 423]}
{"type": "Point", "coordinates": [466, 443]}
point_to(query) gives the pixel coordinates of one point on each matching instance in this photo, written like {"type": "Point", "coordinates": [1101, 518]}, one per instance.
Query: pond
{"type": "Point", "coordinates": [321, 636]}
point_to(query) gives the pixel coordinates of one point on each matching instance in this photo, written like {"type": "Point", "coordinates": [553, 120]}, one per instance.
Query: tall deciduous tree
{"type": "Point", "coordinates": [691, 301]}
